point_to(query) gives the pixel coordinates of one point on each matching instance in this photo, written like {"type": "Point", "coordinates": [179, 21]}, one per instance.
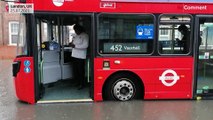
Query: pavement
{"type": "Point", "coordinates": [12, 109]}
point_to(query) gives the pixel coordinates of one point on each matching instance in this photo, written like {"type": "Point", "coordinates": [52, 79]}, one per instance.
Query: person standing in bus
{"type": "Point", "coordinates": [79, 46]}
{"type": "Point", "coordinates": [184, 42]}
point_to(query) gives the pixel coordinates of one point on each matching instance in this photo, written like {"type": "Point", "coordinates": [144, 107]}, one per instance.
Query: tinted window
{"type": "Point", "coordinates": [125, 34]}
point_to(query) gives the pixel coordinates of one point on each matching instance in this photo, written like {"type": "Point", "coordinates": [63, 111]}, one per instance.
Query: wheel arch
{"type": "Point", "coordinates": [125, 72]}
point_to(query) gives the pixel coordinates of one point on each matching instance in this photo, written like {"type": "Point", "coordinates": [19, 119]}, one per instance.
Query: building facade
{"type": "Point", "coordinates": [9, 27]}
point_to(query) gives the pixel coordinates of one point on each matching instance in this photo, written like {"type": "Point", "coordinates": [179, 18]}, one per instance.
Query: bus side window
{"type": "Point", "coordinates": [125, 33]}
{"type": "Point", "coordinates": [174, 34]}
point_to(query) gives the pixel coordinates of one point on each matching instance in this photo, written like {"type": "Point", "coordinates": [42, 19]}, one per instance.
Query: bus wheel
{"type": "Point", "coordinates": [122, 88]}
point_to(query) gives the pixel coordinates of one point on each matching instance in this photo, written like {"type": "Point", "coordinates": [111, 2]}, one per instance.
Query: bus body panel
{"type": "Point", "coordinates": [163, 77]}
{"type": "Point", "coordinates": [123, 7]}
{"type": "Point", "coordinates": [24, 80]}
{"type": "Point", "coordinates": [152, 72]}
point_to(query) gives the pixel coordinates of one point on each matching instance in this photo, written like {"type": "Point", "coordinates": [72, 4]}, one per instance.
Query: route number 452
{"type": "Point", "coordinates": [116, 48]}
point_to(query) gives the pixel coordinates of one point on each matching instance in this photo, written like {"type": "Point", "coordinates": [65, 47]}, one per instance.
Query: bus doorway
{"type": "Point", "coordinates": [205, 56]}
{"type": "Point", "coordinates": [55, 65]}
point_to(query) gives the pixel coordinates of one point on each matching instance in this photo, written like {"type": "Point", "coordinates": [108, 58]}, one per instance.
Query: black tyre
{"type": "Point", "coordinates": [122, 87]}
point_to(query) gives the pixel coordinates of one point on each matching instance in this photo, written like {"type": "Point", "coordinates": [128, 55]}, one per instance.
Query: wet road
{"type": "Point", "coordinates": [12, 109]}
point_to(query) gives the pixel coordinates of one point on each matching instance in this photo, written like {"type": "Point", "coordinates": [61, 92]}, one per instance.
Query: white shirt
{"type": "Point", "coordinates": [81, 43]}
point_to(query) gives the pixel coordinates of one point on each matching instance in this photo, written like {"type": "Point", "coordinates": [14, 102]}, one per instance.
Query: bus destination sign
{"type": "Point", "coordinates": [172, 1]}
{"type": "Point", "coordinates": [125, 47]}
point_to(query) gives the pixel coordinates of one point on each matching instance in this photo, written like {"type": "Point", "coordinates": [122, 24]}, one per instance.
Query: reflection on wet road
{"type": "Point", "coordinates": [12, 109]}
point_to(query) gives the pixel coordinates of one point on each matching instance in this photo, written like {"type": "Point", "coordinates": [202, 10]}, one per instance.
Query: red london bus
{"type": "Point", "coordinates": [135, 50]}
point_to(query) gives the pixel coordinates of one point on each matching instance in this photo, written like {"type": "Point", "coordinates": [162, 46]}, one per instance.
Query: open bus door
{"type": "Point", "coordinates": [55, 65]}
{"type": "Point", "coordinates": [204, 87]}
{"type": "Point", "coordinates": [23, 65]}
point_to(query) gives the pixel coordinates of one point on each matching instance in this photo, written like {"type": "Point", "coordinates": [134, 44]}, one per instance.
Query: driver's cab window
{"type": "Point", "coordinates": [174, 34]}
